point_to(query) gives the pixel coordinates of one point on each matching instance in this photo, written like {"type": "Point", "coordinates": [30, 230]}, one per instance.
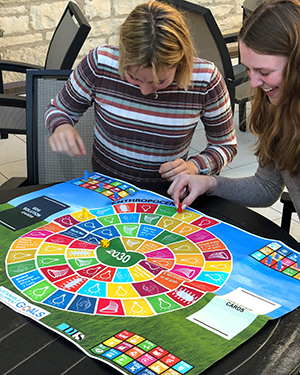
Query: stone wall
{"type": "Point", "coordinates": [28, 25]}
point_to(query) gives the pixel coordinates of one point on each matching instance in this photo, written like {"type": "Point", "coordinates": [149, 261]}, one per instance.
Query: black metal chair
{"type": "Point", "coordinates": [68, 38]}
{"type": "Point", "coordinates": [211, 45]}
{"type": "Point", "coordinates": [288, 209]}
{"type": "Point", "coordinates": [43, 165]}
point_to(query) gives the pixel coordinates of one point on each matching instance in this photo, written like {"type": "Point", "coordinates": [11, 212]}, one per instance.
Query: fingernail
{"type": "Point", "coordinates": [183, 206]}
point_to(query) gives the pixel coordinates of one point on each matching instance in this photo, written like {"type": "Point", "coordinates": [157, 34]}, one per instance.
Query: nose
{"type": "Point", "coordinates": [146, 88]}
{"type": "Point", "coordinates": [256, 80]}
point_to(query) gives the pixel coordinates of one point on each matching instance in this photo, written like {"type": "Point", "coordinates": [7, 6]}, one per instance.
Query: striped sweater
{"type": "Point", "coordinates": [135, 134]}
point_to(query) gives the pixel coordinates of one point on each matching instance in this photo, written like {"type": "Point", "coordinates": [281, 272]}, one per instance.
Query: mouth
{"type": "Point", "coordinates": [269, 90]}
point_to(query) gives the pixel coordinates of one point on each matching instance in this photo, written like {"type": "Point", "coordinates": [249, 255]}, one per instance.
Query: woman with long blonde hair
{"type": "Point", "coordinates": [149, 94]}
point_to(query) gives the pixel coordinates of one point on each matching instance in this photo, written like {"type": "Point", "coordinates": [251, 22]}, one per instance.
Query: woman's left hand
{"type": "Point", "coordinates": [171, 169]}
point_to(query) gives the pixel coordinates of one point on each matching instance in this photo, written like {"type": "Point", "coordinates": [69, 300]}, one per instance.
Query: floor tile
{"type": "Point", "coordinates": [14, 169]}
{"type": "Point", "coordinates": [240, 171]}
{"type": "Point", "coordinates": [268, 212]}
{"type": "Point", "coordinates": [295, 227]}
{"type": "Point", "coordinates": [2, 179]}
{"type": "Point", "coordinates": [12, 149]}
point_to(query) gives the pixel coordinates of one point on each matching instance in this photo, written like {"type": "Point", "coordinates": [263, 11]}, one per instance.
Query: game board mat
{"type": "Point", "coordinates": [158, 328]}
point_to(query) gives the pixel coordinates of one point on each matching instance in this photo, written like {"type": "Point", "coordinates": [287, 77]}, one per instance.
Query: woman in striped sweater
{"type": "Point", "coordinates": [148, 95]}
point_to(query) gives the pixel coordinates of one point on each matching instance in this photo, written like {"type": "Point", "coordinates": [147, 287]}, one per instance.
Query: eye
{"type": "Point", "coordinates": [264, 74]}
{"type": "Point", "coordinates": [132, 77]}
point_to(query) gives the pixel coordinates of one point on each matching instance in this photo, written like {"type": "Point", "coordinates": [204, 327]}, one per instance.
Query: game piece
{"type": "Point", "coordinates": [269, 261]}
{"type": "Point", "coordinates": [85, 176]}
{"type": "Point", "coordinates": [116, 195]}
{"type": "Point", "coordinates": [85, 213]}
{"type": "Point", "coordinates": [179, 209]}
{"type": "Point", "coordinates": [104, 243]}
{"type": "Point", "coordinates": [298, 261]}
{"type": "Point", "coordinates": [101, 186]}
{"type": "Point", "coordinates": [279, 265]}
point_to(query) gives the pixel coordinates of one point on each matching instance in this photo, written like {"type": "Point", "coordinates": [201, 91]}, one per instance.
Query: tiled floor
{"type": "Point", "coordinates": [13, 164]}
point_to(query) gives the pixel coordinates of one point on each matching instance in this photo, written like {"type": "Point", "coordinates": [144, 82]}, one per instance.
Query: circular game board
{"type": "Point", "coordinates": [157, 260]}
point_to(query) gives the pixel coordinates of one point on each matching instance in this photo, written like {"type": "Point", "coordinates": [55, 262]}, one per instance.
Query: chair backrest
{"type": "Point", "coordinates": [207, 38]}
{"type": "Point", "coordinates": [43, 165]}
{"type": "Point", "coordinates": [67, 39]}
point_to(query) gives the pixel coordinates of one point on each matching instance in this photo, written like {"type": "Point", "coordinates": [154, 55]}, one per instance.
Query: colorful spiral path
{"type": "Point", "coordinates": [157, 261]}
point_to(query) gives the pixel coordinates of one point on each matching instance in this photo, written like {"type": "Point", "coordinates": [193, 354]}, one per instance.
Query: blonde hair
{"type": "Point", "coordinates": [155, 36]}
{"type": "Point", "coordinates": [274, 29]}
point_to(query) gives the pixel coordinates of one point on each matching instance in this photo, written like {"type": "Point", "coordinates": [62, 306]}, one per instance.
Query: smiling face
{"type": "Point", "coordinates": [145, 80]}
{"type": "Point", "coordinates": [265, 71]}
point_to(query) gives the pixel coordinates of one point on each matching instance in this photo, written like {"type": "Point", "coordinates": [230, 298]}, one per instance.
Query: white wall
{"type": "Point", "coordinates": [28, 25]}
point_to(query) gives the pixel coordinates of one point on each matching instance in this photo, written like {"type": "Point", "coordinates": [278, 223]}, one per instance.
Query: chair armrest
{"type": "Point", "coordinates": [13, 183]}
{"type": "Point", "coordinates": [231, 40]}
{"type": "Point", "coordinates": [286, 199]}
{"type": "Point", "coordinates": [14, 66]}
{"type": "Point", "coordinates": [12, 101]}
{"type": "Point", "coordinates": [16, 87]}
{"type": "Point", "coordinates": [240, 74]}
{"type": "Point", "coordinates": [230, 37]}
{"type": "Point", "coordinates": [288, 209]}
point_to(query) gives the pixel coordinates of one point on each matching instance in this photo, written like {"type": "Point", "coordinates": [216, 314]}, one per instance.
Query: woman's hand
{"type": "Point", "coordinates": [66, 140]}
{"type": "Point", "coordinates": [188, 187]}
{"type": "Point", "coordinates": [174, 168]}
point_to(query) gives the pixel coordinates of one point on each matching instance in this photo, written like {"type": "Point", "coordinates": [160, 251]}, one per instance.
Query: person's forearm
{"type": "Point", "coordinates": [69, 104]}
{"type": "Point", "coordinates": [214, 158]}
{"type": "Point", "coordinates": [54, 118]}
{"type": "Point", "coordinates": [248, 191]}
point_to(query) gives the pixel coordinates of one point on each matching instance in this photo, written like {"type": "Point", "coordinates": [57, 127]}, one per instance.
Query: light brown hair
{"type": "Point", "coordinates": [274, 29]}
{"type": "Point", "coordinates": [155, 35]}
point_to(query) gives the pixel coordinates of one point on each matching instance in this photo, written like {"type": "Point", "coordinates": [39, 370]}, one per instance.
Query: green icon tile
{"type": "Point", "coordinates": [15, 269]}
{"type": "Point", "coordinates": [146, 345]}
{"type": "Point", "coordinates": [151, 219]}
{"type": "Point", "coordinates": [166, 210]}
{"type": "Point", "coordinates": [166, 238]}
{"type": "Point", "coordinates": [100, 349]}
{"type": "Point", "coordinates": [123, 360]}
{"type": "Point", "coordinates": [40, 291]}
{"type": "Point", "coordinates": [290, 272]}
{"type": "Point", "coordinates": [109, 220]}
{"type": "Point", "coordinates": [163, 303]}
{"type": "Point", "coordinates": [50, 260]}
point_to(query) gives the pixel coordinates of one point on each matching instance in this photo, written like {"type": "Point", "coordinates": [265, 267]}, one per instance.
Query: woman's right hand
{"type": "Point", "coordinates": [66, 140]}
{"type": "Point", "coordinates": [186, 188]}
